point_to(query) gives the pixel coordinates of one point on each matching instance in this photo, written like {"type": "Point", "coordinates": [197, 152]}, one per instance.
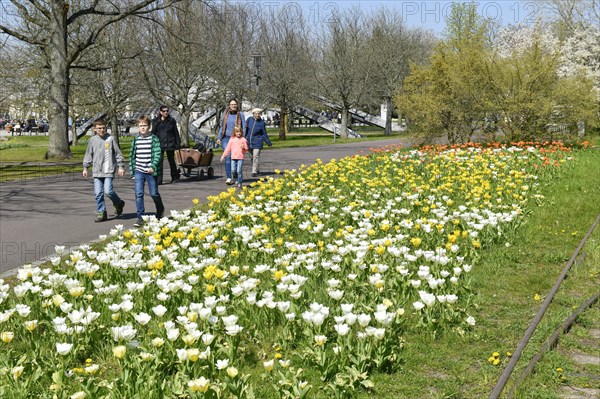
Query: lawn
{"type": "Point", "coordinates": [393, 275]}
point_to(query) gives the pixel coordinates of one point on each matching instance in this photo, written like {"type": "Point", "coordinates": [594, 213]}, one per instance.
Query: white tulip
{"type": "Point", "coordinates": [63, 348]}
{"type": "Point", "coordinates": [342, 329]}
{"type": "Point", "coordinates": [159, 310]}
{"type": "Point", "coordinates": [230, 320]}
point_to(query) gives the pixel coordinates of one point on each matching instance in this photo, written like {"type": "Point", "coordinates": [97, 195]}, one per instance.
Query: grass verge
{"type": "Point", "coordinates": [511, 282]}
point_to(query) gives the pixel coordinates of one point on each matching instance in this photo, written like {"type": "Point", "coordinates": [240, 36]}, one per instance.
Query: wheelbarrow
{"type": "Point", "coordinates": [189, 159]}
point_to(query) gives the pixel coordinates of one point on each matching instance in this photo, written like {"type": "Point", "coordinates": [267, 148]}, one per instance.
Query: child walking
{"type": "Point", "coordinates": [237, 146]}
{"type": "Point", "coordinates": [144, 164]}
{"type": "Point", "coordinates": [103, 154]}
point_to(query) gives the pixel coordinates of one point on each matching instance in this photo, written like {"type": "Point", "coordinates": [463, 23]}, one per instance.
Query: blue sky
{"type": "Point", "coordinates": [418, 13]}
{"type": "Point", "coordinates": [427, 14]}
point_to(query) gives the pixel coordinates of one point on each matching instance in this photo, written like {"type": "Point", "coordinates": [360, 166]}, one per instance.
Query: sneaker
{"type": "Point", "coordinates": [139, 223]}
{"type": "Point", "coordinates": [119, 208]}
{"type": "Point", "coordinates": [101, 217]}
{"type": "Point", "coordinates": [160, 213]}
{"type": "Point", "coordinates": [228, 181]}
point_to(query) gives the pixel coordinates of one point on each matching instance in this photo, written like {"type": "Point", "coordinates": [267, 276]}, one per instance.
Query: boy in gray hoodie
{"type": "Point", "coordinates": [104, 155]}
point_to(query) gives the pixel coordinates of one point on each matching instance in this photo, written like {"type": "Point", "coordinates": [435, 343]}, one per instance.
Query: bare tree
{"type": "Point", "coordinates": [574, 14]}
{"type": "Point", "coordinates": [179, 62]}
{"type": "Point", "coordinates": [345, 68]}
{"type": "Point", "coordinates": [63, 31]}
{"type": "Point", "coordinates": [288, 65]}
{"type": "Point", "coordinates": [395, 49]}
{"type": "Point", "coordinates": [235, 29]}
{"type": "Point", "coordinates": [23, 81]}
{"type": "Point", "coordinates": [107, 78]}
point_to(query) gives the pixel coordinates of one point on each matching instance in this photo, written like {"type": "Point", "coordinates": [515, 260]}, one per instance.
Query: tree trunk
{"type": "Point", "coordinates": [184, 129]}
{"type": "Point", "coordinates": [114, 122]}
{"type": "Point", "coordinates": [58, 134]}
{"type": "Point", "coordinates": [344, 124]}
{"type": "Point", "coordinates": [388, 116]}
{"type": "Point", "coordinates": [74, 131]}
{"type": "Point", "coordinates": [283, 124]}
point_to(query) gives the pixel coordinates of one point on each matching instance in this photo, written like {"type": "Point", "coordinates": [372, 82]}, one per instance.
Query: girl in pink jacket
{"type": "Point", "coordinates": [237, 146]}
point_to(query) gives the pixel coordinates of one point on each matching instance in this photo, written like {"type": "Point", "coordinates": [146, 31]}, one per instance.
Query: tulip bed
{"type": "Point", "coordinates": [313, 278]}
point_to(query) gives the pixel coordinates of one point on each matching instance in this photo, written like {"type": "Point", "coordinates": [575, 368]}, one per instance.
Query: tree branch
{"type": "Point", "coordinates": [91, 10]}
{"type": "Point", "coordinates": [37, 6]}
{"type": "Point", "coordinates": [20, 36]}
{"type": "Point", "coordinates": [134, 10]}
{"type": "Point", "coordinates": [25, 13]}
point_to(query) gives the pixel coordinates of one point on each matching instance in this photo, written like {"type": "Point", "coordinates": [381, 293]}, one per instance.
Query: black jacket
{"type": "Point", "coordinates": [167, 132]}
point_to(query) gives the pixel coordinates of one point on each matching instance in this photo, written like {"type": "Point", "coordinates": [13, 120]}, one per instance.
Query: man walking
{"type": "Point", "coordinates": [165, 128]}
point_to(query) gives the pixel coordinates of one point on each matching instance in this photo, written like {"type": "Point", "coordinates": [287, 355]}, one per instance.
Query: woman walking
{"type": "Point", "coordinates": [256, 134]}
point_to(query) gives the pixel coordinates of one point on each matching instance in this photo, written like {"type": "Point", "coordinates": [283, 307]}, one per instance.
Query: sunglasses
{"type": "Point", "coordinates": [164, 110]}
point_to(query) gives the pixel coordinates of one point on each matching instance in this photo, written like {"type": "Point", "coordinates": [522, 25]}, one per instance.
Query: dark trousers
{"type": "Point", "coordinates": [172, 165]}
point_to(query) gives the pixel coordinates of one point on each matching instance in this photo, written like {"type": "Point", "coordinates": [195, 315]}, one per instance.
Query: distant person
{"type": "Point", "coordinates": [237, 146]}
{"type": "Point", "coordinates": [144, 165]}
{"type": "Point", "coordinates": [256, 134]}
{"type": "Point", "coordinates": [232, 118]}
{"type": "Point", "coordinates": [30, 125]}
{"type": "Point", "coordinates": [104, 155]}
{"type": "Point", "coordinates": [165, 127]}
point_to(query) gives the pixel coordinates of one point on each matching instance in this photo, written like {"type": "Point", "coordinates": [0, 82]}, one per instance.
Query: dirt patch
{"type": "Point", "coordinates": [579, 393]}
{"type": "Point", "coordinates": [582, 358]}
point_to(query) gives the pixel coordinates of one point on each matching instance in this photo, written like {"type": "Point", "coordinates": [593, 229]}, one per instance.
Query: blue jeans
{"type": "Point", "coordinates": [140, 178]}
{"type": "Point", "coordinates": [236, 166]}
{"type": "Point", "coordinates": [224, 142]}
{"type": "Point", "coordinates": [104, 185]}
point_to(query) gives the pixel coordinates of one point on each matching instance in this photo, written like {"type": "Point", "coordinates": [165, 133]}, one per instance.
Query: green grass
{"type": "Point", "coordinates": [505, 281]}
{"type": "Point", "coordinates": [23, 157]}
{"type": "Point", "coordinates": [303, 137]}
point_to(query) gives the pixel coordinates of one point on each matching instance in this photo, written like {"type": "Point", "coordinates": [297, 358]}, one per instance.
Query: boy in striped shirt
{"type": "Point", "coordinates": [144, 164]}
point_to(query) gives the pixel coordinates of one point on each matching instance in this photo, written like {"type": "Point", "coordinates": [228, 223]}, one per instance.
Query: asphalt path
{"type": "Point", "coordinates": [38, 214]}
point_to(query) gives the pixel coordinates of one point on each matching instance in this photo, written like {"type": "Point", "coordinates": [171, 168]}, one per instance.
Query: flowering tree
{"type": "Point", "coordinates": [580, 55]}
{"type": "Point", "coordinates": [528, 90]}
{"type": "Point", "coordinates": [522, 81]}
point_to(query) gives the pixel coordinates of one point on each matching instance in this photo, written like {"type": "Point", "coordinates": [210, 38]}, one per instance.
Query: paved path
{"type": "Point", "coordinates": [38, 214]}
